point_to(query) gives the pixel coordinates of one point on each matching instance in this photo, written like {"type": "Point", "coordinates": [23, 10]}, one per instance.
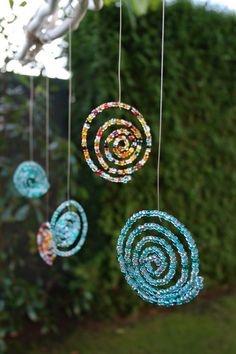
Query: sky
{"type": "Point", "coordinates": [229, 4]}
{"type": "Point", "coordinates": [51, 56]}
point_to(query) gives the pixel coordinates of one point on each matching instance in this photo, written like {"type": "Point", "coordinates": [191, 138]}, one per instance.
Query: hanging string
{"type": "Point", "coordinates": [69, 118]}
{"type": "Point", "coordinates": [161, 104]}
{"type": "Point", "coordinates": [47, 139]}
{"type": "Point", "coordinates": [47, 126]}
{"type": "Point", "coordinates": [31, 112]}
{"type": "Point", "coordinates": [120, 47]}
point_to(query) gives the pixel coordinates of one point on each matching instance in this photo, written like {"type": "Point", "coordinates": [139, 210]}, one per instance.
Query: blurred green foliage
{"type": "Point", "coordinates": [197, 163]}
{"type": "Point", "coordinates": [139, 7]}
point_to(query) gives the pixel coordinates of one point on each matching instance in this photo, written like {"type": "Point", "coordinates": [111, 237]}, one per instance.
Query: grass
{"type": "Point", "coordinates": [194, 329]}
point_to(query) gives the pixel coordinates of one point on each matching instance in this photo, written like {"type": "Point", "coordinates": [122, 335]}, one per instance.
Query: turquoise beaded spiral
{"type": "Point", "coordinates": [69, 228]}
{"type": "Point", "coordinates": [149, 255]}
{"type": "Point", "coordinates": [30, 180]}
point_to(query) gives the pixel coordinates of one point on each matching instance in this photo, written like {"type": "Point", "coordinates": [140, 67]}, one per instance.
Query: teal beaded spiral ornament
{"type": "Point", "coordinates": [149, 255]}
{"type": "Point", "coordinates": [69, 228]}
{"type": "Point", "coordinates": [30, 180]}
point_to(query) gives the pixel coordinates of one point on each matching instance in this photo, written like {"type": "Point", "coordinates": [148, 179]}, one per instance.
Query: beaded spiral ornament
{"type": "Point", "coordinates": [69, 228]}
{"type": "Point", "coordinates": [30, 180]}
{"type": "Point", "coordinates": [147, 257]}
{"type": "Point", "coordinates": [44, 243]}
{"type": "Point", "coordinates": [122, 147]}
{"type": "Point", "coordinates": [159, 257]}
{"type": "Point", "coordinates": [121, 151]}
{"type": "Point", "coordinates": [44, 235]}
{"type": "Point", "coordinates": [69, 224]}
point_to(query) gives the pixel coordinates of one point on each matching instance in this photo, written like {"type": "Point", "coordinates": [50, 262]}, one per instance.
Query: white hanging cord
{"type": "Point", "coordinates": [47, 139]}
{"type": "Point", "coordinates": [31, 112]}
{"type": "Point", "coordinates": [69, 118]}
{"type": "Point", "coordinates": [47, 126]}
{"type": "Point", "coordinates": [161, 104]}
{"type": "Point", "coordinates": [119, 58]}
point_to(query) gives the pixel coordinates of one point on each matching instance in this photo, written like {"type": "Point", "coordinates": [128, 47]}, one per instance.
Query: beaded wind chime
{"type": "Point", "coordinates": [157, 253]}
{"type": "Point", "coordinates": [126, 148]}
{"type": "Point", "coordinates": [44, 236]}
{"type": "Point", "coordinates": [66, 233]}
{"type": "Point", "coordinates": [30, 178]}
{"type": "Point", "coordinates": [68, 224]}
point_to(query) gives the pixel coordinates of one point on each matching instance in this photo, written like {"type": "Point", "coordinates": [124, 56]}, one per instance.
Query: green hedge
{"type": "Point", "coordinates": [198, 159]}
{"type": "Point", "coordinates": [197, 163]}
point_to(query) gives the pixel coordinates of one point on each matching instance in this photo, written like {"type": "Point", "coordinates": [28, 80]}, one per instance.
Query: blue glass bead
{"type": "Point", "coordinates": [69, 228]}
{"type": "Point", "coordinates": [30, 180]}
{"type": "Point", "coordinates": [147, 254]}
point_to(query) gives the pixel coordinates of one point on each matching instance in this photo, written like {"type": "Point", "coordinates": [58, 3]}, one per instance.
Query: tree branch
{"type": "Point", "coordinates": [73, 21]}
{"type": "Point", "coordinates": [40, 31]}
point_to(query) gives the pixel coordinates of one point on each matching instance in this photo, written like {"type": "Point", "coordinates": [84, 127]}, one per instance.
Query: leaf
{"type": "Point", "coordinates": [22, 213]}
{"type": "Point", "coordinates": [32, 314]}
{"type": "Point", "coordinates": [140, 7]}
{"type": "Point", "coordinates": [11, 3]}
{"type": "Point", "coordinates": [2, 306]}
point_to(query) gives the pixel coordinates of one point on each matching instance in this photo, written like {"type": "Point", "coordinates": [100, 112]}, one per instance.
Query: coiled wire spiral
{"type": "Point", "coordinates": [69, 228]}
{"type": "Point", "coordinates": [30, 180]}
{"type": "Point", "coordinates": [121, 154]}
{"type": "Point", "coordinates": [162, 266]}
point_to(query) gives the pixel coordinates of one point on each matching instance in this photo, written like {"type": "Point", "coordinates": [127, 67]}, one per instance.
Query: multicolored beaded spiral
{"type": "Point", "coordinates": [149, 255]}
{"type": "Point", "coordinates": [122, 147]}
{"type": "Point", "coordinates": [31, 180]}
{"type": "Point", "coordinates": [44, 242]}
{"type": "Point", "coordinates": [69, 228]}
